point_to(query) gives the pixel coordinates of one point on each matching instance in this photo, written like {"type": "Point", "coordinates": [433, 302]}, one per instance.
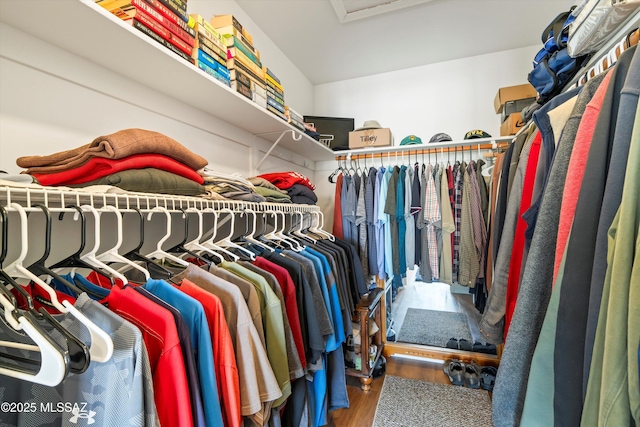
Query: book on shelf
{"type": "Point", "coordinates": [202, 41]}
{"type": "Point", "coordinates": [233, 52]}
{"type": "Point", "coordinates": [273, 76]}
{"type": "Point", "coordinates": [157, 28]}
{"type": "Point", "coordinates": [225, 20]}
{"type": "Point", "coordinates": [232, 40]}
{"type": "Point", "coordinates": [274, 94]}
{"type": "Point", "coordinates": [129, 11]}
{"type": "Point", "coordinates": [207, 59]}
{"type": "Point", "coordinates": [168, 8]}
{"type": "Point", "coordinates": [138, 25]}
{"type": "Point", "coordinates": [240, 88]}
{"type": "Point", "coordinates": [292, 114]}
{"type": "Point", "coordinates": [215, 74]}
{"type": "Point", "coordinates": [241, 57]}
{"type": "Point", "coordinates": [276, 112]}
{"type": "Point", "coordinates": [260, 90]}
{"type": "Point", "coordinates": [256, 74]}
{"type": "Point", "coordinates": [213, 37]}
{"type": "Point", "coordinates": [274, 83]}
{"type": "Point", "coordinates": [206, 49]}
{"type": "Point", "coordinates": [275, 104]}
{"type": "Point", "coordinates": [297, 125]}
{"type": "Point", "coordinates": [255, 79]}
{"type": "Point", "coordinates": [240, 76]}
{"type": "Point", "coordinates": [260, 100]}
{"type": "Point", "coordinates": [230, 30]}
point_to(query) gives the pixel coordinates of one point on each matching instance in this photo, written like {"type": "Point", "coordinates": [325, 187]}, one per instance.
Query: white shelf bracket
{"type": "Point", "coordinates": [294, 135]}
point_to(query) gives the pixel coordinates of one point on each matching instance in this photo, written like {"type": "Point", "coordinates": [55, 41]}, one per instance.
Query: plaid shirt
{"type": "Point", "coordinates": [432, 215]}
{"type": "Point", "coordinates": [457, 215]}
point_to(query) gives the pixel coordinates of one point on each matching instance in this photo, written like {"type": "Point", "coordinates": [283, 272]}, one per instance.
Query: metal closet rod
{"type": "Point", "coordinates": [60, 198]}
{"type": "Point", "coordinates": [434, 150]}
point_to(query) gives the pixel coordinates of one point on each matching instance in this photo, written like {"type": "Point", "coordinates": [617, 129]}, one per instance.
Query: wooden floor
{"type": "Point", "coordinates": [363, 404]}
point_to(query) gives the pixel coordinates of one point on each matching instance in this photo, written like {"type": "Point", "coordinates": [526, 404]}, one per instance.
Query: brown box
{"type": "Point", "coordinates": [370, 138]}
{"type": "Point", "coordinates": [512, 125]}
{"type": "Point", "coordinates": [513, 93]}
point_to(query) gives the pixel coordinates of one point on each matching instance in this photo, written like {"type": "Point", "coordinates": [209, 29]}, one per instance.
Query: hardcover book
{"type": "Point", "coordinates": [276, 112]}
{"type": "Point", "coordinates": [260, 100]}
{"type": "Point", "coordinates": [167, 35]}
{"type": "Point", "coordinates": [233, 63]}
{"type": "Point", "coordinates": [201, 40]}
{"type": "Point", "coordinates": [220, 69]}
{"type": "Point", "coordinates": [138, 25]}
{"type": "Point", "coordinates": [169, 25]}
{"type": "Point", "coordinates": [240, 88]}
{"type": "Point", "coordinates": [229, 31]}
{"type": "Point", "coordinates": [274, 104]}
{"type": "Point", "coordinates": [203, 47]}
{"type": "Point", "coordinates": [235, 51]}
{"type": "Point", "coordinates": [241, 57]}
{"type": "Point", "coordinates": [204, 67]}
{"type": "Point", "coordinates": [273, 76]}
{"type": "Point", "coordinates": [240, 76]}
{"type": "Point", "coordinates": [224, 20]}
{"type": "Point", "coordinates": [238, 41]}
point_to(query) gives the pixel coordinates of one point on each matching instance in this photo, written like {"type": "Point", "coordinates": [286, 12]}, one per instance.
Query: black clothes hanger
{"type": "Point", "coordinates": [78, 357]}
{"type": "Point", "coordinates": [38, 268]}
{"type": "Point", "coordinates": [180, 249]}
{"type": "Point", "coordinates": [74, 260]}
{"type": "Point", "coordinates": [156, 270]}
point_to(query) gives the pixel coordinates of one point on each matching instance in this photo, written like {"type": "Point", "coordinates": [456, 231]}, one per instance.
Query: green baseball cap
{"type": "Point", "coordinates": [411, 140]}
{"type": "Point", "coordinates": [476, 133]}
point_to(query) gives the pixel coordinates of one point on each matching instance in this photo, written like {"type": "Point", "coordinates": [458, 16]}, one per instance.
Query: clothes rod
{"type": "Point", "coordinates": [448, 147]}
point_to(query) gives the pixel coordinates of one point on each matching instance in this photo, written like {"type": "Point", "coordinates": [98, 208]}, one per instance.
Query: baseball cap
{"type": "Point", "coordinates": [476, 133]}
{"type": "Point", "coordinates": [440, 137]}
{"type": "Point", "coordinates": [411, 140]}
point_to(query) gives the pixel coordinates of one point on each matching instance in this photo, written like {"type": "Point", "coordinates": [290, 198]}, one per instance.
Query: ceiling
{"type": "Point", "coordinates": [333, 40]}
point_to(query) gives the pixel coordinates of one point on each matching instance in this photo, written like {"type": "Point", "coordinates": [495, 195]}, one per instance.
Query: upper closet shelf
{"type": "Point", "coordinates": [483, 143]}
{"type": "Point", "coordinates": [89, 31]}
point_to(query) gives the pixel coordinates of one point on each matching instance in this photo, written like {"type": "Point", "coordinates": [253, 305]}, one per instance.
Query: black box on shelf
{"type": "Point", "coordinates": [336, 128]}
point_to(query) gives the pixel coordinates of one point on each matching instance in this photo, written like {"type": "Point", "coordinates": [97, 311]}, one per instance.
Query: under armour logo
{"type": "Point", "coordinates": [77, 414]}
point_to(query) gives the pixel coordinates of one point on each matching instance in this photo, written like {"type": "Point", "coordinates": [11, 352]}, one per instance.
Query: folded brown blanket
{"type": "Point", "coordinates": [115, 146]}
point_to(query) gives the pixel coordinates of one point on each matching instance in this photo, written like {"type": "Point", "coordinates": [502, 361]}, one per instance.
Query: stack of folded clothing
{"type": "Point", "coordinates": [131, 159]}
{"type": "Point", "coordinates": [231, 187]}
{"type": "Point", "coordinates": [270, 192]}
{"type": "Point", "coordinates": [298, 186]}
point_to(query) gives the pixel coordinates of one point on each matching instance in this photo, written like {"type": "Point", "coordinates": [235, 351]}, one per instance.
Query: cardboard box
{"type": "Point", "coordinates": [513, 93]}
{"type": "Point", "coordinates": [512, 125]}
{"type": "Point", "coordinates": [370, 138]}
{"type": "Point", "coordinates": [517, 106]}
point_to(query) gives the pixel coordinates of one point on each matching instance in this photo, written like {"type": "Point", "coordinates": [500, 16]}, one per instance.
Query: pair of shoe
{"type": "Point", "coordinates": [470, 374]}
{"type": "Point", "coordinates": [461, 344]}
{"type": "Point", "coordinates": [484, 348]}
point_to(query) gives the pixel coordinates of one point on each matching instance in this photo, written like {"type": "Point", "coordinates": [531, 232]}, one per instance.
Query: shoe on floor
{"type": "Point", "coordinates": [464, 345]}
{"type": "Point", "coordinates": [454, 369]}
{"type": "Point", "coordinates": [472, 375]}
{"type": "Point", "coordinates": [484, 348]}
{"type": "Point", "coordinates": [488, 377]}
{"type": "Point", "coordinates": [452, 343]}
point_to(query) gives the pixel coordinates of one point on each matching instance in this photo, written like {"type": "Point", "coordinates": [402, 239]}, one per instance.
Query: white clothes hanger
{"type": "Point", "coordinates": [101, 344]}
{"type": "Point", "coordinates": [209, 242]}
{"type": "Point", "coordinates": [227, 243]}
{"type": "Point", "coordinates": [280, 233]}
{"type": "Point", "coordinates": [112, 254]}
{"type": "Point", "coordinates": [195, 245]}
{"type": "Point", "coordinates": [250, 237]}
{"type": "Point", "coordinates": [314, 229]}
{"type": "Point", "coordinates": [53, 368]}
{"type": "Point", "coordinates": [272, 236]}
{"type": "Point", "coordinates": [90, 257]}
{"type": "Point", "coordinates": [299, 232]}
{"type": "Point", "coordinates": [159, 254]}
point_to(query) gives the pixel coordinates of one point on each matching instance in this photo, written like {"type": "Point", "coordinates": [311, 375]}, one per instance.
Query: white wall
{"type": "Point", "coordinates": [298, 90]}
{"type": "Point", "coordinates": [452, 97]}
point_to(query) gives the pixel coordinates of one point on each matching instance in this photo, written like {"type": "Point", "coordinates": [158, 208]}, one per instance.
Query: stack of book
{"type": "Point", "coordinates": [165, 21]}
{"type": "Point", "coordinates": [243, 60]}
{"type": "Point", "coordinates": [294, 118]}
{"type": "Point", "coordinates": [210, 52]}
{"type": "Point", "coordinates": [275, 94]}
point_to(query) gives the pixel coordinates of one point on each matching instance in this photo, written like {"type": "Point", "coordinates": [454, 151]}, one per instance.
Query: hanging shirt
{"type": "Point", "coordinates": [416, 209]}
{"type": "Point", "coordinates": [337, 211]}
{"type": "Point", "coordinates": [402, 226]}
{"type": "Point", "coordinates": [410, 232]}
{"type": "Point", "coordinates": [193, 314]}
{"type": "Point", "coordinates": [469, 263]}
{"type": "Point", "coordinates": [432, 216]}
{"type": "Point", "coordinates": [106, 388]}
{"type": "Point", "coordinates": [457, 215]}
{"type": "Point", "coordinates": [369, 201]}
{"type": "Point", "coordinates": [390, 208]}
{"type": "Point", "coordinates": [273, 328]}
{"type": "Point", "coordinates": [448, 226]}
{"type": "Point", "coordinates": [171, 390]}
{"type": "Point", "coordinates": [380, 221]}
{"type": "Point", "coordinates": [223, 356]}
{"type": "Point", "coordinates": [477, 219]}
{"type": "Point", "coordinates": [361, 222]}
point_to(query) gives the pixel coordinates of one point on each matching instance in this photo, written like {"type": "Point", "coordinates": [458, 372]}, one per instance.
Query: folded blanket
{"type": "Point", "coordinates": [261, 182]}
{"type": "Point", "coordinates": [150, 180]}
{"type": "Point", "coordinates": [273, 195]}
{"type": "Point", "coordinates": [284, 180]}
{"type": "Point", "coordinates": [302, 200]}
{"type": "Point", "coordinates": [118, 145]}
{"type": "Point", "coordinates": [98, 167]}
{"type": "Point", "coordinates": [302, 190]}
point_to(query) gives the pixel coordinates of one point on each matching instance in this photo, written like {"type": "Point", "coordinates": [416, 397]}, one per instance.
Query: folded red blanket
{"type": "Point", "coordinates": [98, 167]}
